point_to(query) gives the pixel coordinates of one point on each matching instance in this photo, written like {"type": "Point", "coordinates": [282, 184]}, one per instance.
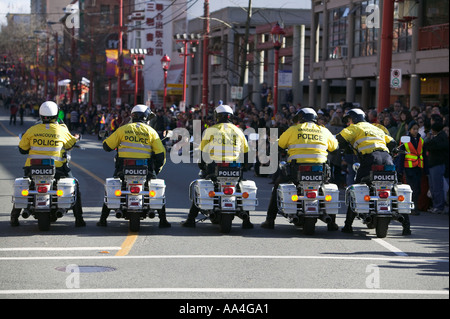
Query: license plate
{"type": "Point", "coordinates": [229, 203]}
{"type": "Point", "coordinates": [311, 206]}
{"type": "Point", "coordinates": [42, 201]}
{"type": "Point", "coordinates": [383, 206]}
{"type": "Point", "coordinates": [134, 200]}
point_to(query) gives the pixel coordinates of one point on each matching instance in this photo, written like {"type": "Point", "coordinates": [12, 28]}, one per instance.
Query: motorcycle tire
{"type": "Point", "coordinates": [43, 221]}
{"type": "Point", "coordinates": [226, 223]}
{"type": "Point", "coordinates": [382, 227]}
{"type": "Point", "coordinates": [134, 222]}
{"type": "Point", "coordinates": [309, 226]}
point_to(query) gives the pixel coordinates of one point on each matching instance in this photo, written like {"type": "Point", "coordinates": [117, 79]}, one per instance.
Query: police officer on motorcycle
{"type": "Point", "coordinates": [371, 144]}
{"type": "Point", "coordinates": [137, 140]}
{"type": "Point", "coordinates": [306, 142]}
{"type": "Point", "coordinates": [49, 140]}
{"type": "Point", "coordinates": [222, 142]}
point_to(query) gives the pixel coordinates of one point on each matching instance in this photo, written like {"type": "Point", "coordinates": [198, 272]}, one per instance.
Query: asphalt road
{"type": "Point", "coordinates": [201, 263]}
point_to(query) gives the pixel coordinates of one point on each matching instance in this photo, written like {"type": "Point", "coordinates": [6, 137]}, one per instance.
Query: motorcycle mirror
{"type": "Point", "coordinates": [405, 139]}
{"type": "Point", "coordinates": [102, 133]}
{"type": "Point", "coordinates": [20, 136]}
{"type": "Point", "coordinates": [356, 166]}
{"type": "Point", "coordinates": [191, 140]}
{"type": "Point", "coordinates": [253, 137]}
{"type": "Point", "coordinates": [282, 164]}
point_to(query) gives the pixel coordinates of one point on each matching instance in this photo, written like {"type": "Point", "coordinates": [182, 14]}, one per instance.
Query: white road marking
{"type": "Point", "coordinates": [390, 247]}
{"type": "Point", "coordinates": [57, 248]}
{"type": "Point", "coordinates": [224, 290]}
{"type": "Point", "coordinates": [397, 259]}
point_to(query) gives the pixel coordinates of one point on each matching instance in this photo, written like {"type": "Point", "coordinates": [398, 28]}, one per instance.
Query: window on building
{"type": "Point", "coordinates": [365, 38]}
{"type": "Point", "coordinates": [104, 14]}
{"type": "Point", "coordinates": [435, 12]}
{"type": "Point", "coordinates": [337, 32]}
{"type": "Point", "coordinates": [401, 37]}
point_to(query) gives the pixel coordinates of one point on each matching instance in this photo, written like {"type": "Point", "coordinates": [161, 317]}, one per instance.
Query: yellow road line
{"type": "Point", "coordinates": [127, 244]}
{"type": "Point", "coordinates": [98, 179]}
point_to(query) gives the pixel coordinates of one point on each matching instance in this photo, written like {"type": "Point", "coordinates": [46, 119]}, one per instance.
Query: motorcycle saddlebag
{"type": "Point", "coordinates": [284, 198]}
{"type": "Point", "coordinates": [200, 189]}
{"type": "Point", "coordinates": [249, 203]}
{"type": "Point", "coordinates": [332, 207]}
{"type": "Point", "coordinates": [111, 200]}
{"type": "Point", "coordinates": [355, 194]}
{"type": "Point", "coordinates": [20, 184]}
{"type": "Point", "coordinates": [159, 187]}
{"type": "Point", "coordinates": [406, 205]}
{"type": "Point", "coordinates": [68, 186]}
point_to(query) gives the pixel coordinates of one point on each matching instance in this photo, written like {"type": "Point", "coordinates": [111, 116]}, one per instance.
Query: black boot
{"type": "Point", "coordinates": [332, 226]}
{"type": "Point", "coordinates": [105, 213]}
{"type": "Point", "coordinates": [193, 213]}
{"type": "Point", "coordinates": [163, 223]}
{"type": "Point", "coordinates": [268, 223]}
{"type": "Point", "coordinates": [349, 222]}
{"type": "Point", "coordinates": [15, 213]}
{"type": "Point", "coordinates": [406, 225]}
{"type": "Point", "coordinates": [78, 212]}
{"type": "Point", "coordinates": [246, 224]}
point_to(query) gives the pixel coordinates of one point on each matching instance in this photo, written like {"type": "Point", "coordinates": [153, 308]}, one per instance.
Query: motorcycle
{"type": "Point", "coordinates": [223, 195]}
{"type": "Point", "coordinates": [307, 197]}
{"type": "Point", "coordinates": [43, 196]}
{"type": "Point", "coordinates": [132, 196]}
{"type": "Point", "coordinates": [380, 198]}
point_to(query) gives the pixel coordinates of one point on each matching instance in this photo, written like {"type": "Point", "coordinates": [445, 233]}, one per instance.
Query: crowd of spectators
{"type": "Point", "coordinates": [396, 118]}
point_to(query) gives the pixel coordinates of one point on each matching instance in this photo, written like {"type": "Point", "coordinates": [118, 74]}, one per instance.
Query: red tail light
{"type": "Point", "coordinates": [129, 162]}
{"type": "Point", "coordinates": [377, 168]}
{"type": "Point", "coordinates": [223, 164]}
{"type": "Point", "coordinates": [383, 194]}
{"type": "Point", "coordinates": [228, 191]}
{"type": "Point", "coordinates": [304, 168]}
{"type": "Point", "coordinates": [42, 189]}
{"type": "Point", "coordinates": [311, 194]}
{"type": "Point", "coordinates": [135, 189]}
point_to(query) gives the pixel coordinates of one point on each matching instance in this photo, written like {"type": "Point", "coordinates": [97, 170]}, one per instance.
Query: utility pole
{"type": "Point", "coordinates": [384, 88]}
{"type": "Point", "coordinates": [120, 59]}
{"type": "Point", "coordinates": [205, 90]}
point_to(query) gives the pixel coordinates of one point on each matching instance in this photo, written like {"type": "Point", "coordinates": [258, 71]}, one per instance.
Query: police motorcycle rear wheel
{"type": "Point", "coordinates": [134, 222]}
{"type": "Point", "coordinates": [225, 223]}
{"type": "Point", "coordinates": [43, 220]}
{"type": "Point", "coordinates": [382, 226]}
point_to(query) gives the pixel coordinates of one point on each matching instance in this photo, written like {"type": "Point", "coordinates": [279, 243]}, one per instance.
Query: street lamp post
{"type": "Point", "coordinates": [138, 56]}
{"type": "Point", "coordinates": [193, 40]}
{"type": "Point", "coordinates": [277, 34]}
{"type": "Point", "coordinates": [165, 64]}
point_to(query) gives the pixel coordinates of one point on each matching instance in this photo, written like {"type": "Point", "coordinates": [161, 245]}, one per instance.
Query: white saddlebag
{"type": "Point", "coordinates": [158, 186]}
{"type": "Point", "coordinates": [249, 203]}
{"type": "Point", "coordinates": [68, 186]}
{"type": "Point", "coordinates": [21, 184]}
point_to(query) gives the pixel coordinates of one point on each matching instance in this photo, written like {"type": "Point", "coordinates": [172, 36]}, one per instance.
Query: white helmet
{"type": "Point", "coordinates": [48, 111]}
{"type": "Point", "coordinates": [141, 113]}
{"type": "Point", "coordinates": [224, 109]}
{"type": "Point", "coordinates": [223, 114]}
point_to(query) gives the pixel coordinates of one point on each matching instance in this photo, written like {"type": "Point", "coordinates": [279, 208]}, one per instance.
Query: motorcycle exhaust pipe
{"type": "Point", "coordinates": [399, 218]}
{"type": "Point", "coordinates": [367, 219]}
{"type": "Point", "coordinates": [25, 214]}
{"type": "Point", "coordinates": [119, 214]}
{"type": "Point", "coordinates": [59, 214]}
{"type": "Point", "coordinates": [151, 215]}
{"type": "Point", "coordinates": [294, 220]}
{"type": "Point", "coordinates": [244, 216]}
{"type": "Point", "coordinates": [326, 219]}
